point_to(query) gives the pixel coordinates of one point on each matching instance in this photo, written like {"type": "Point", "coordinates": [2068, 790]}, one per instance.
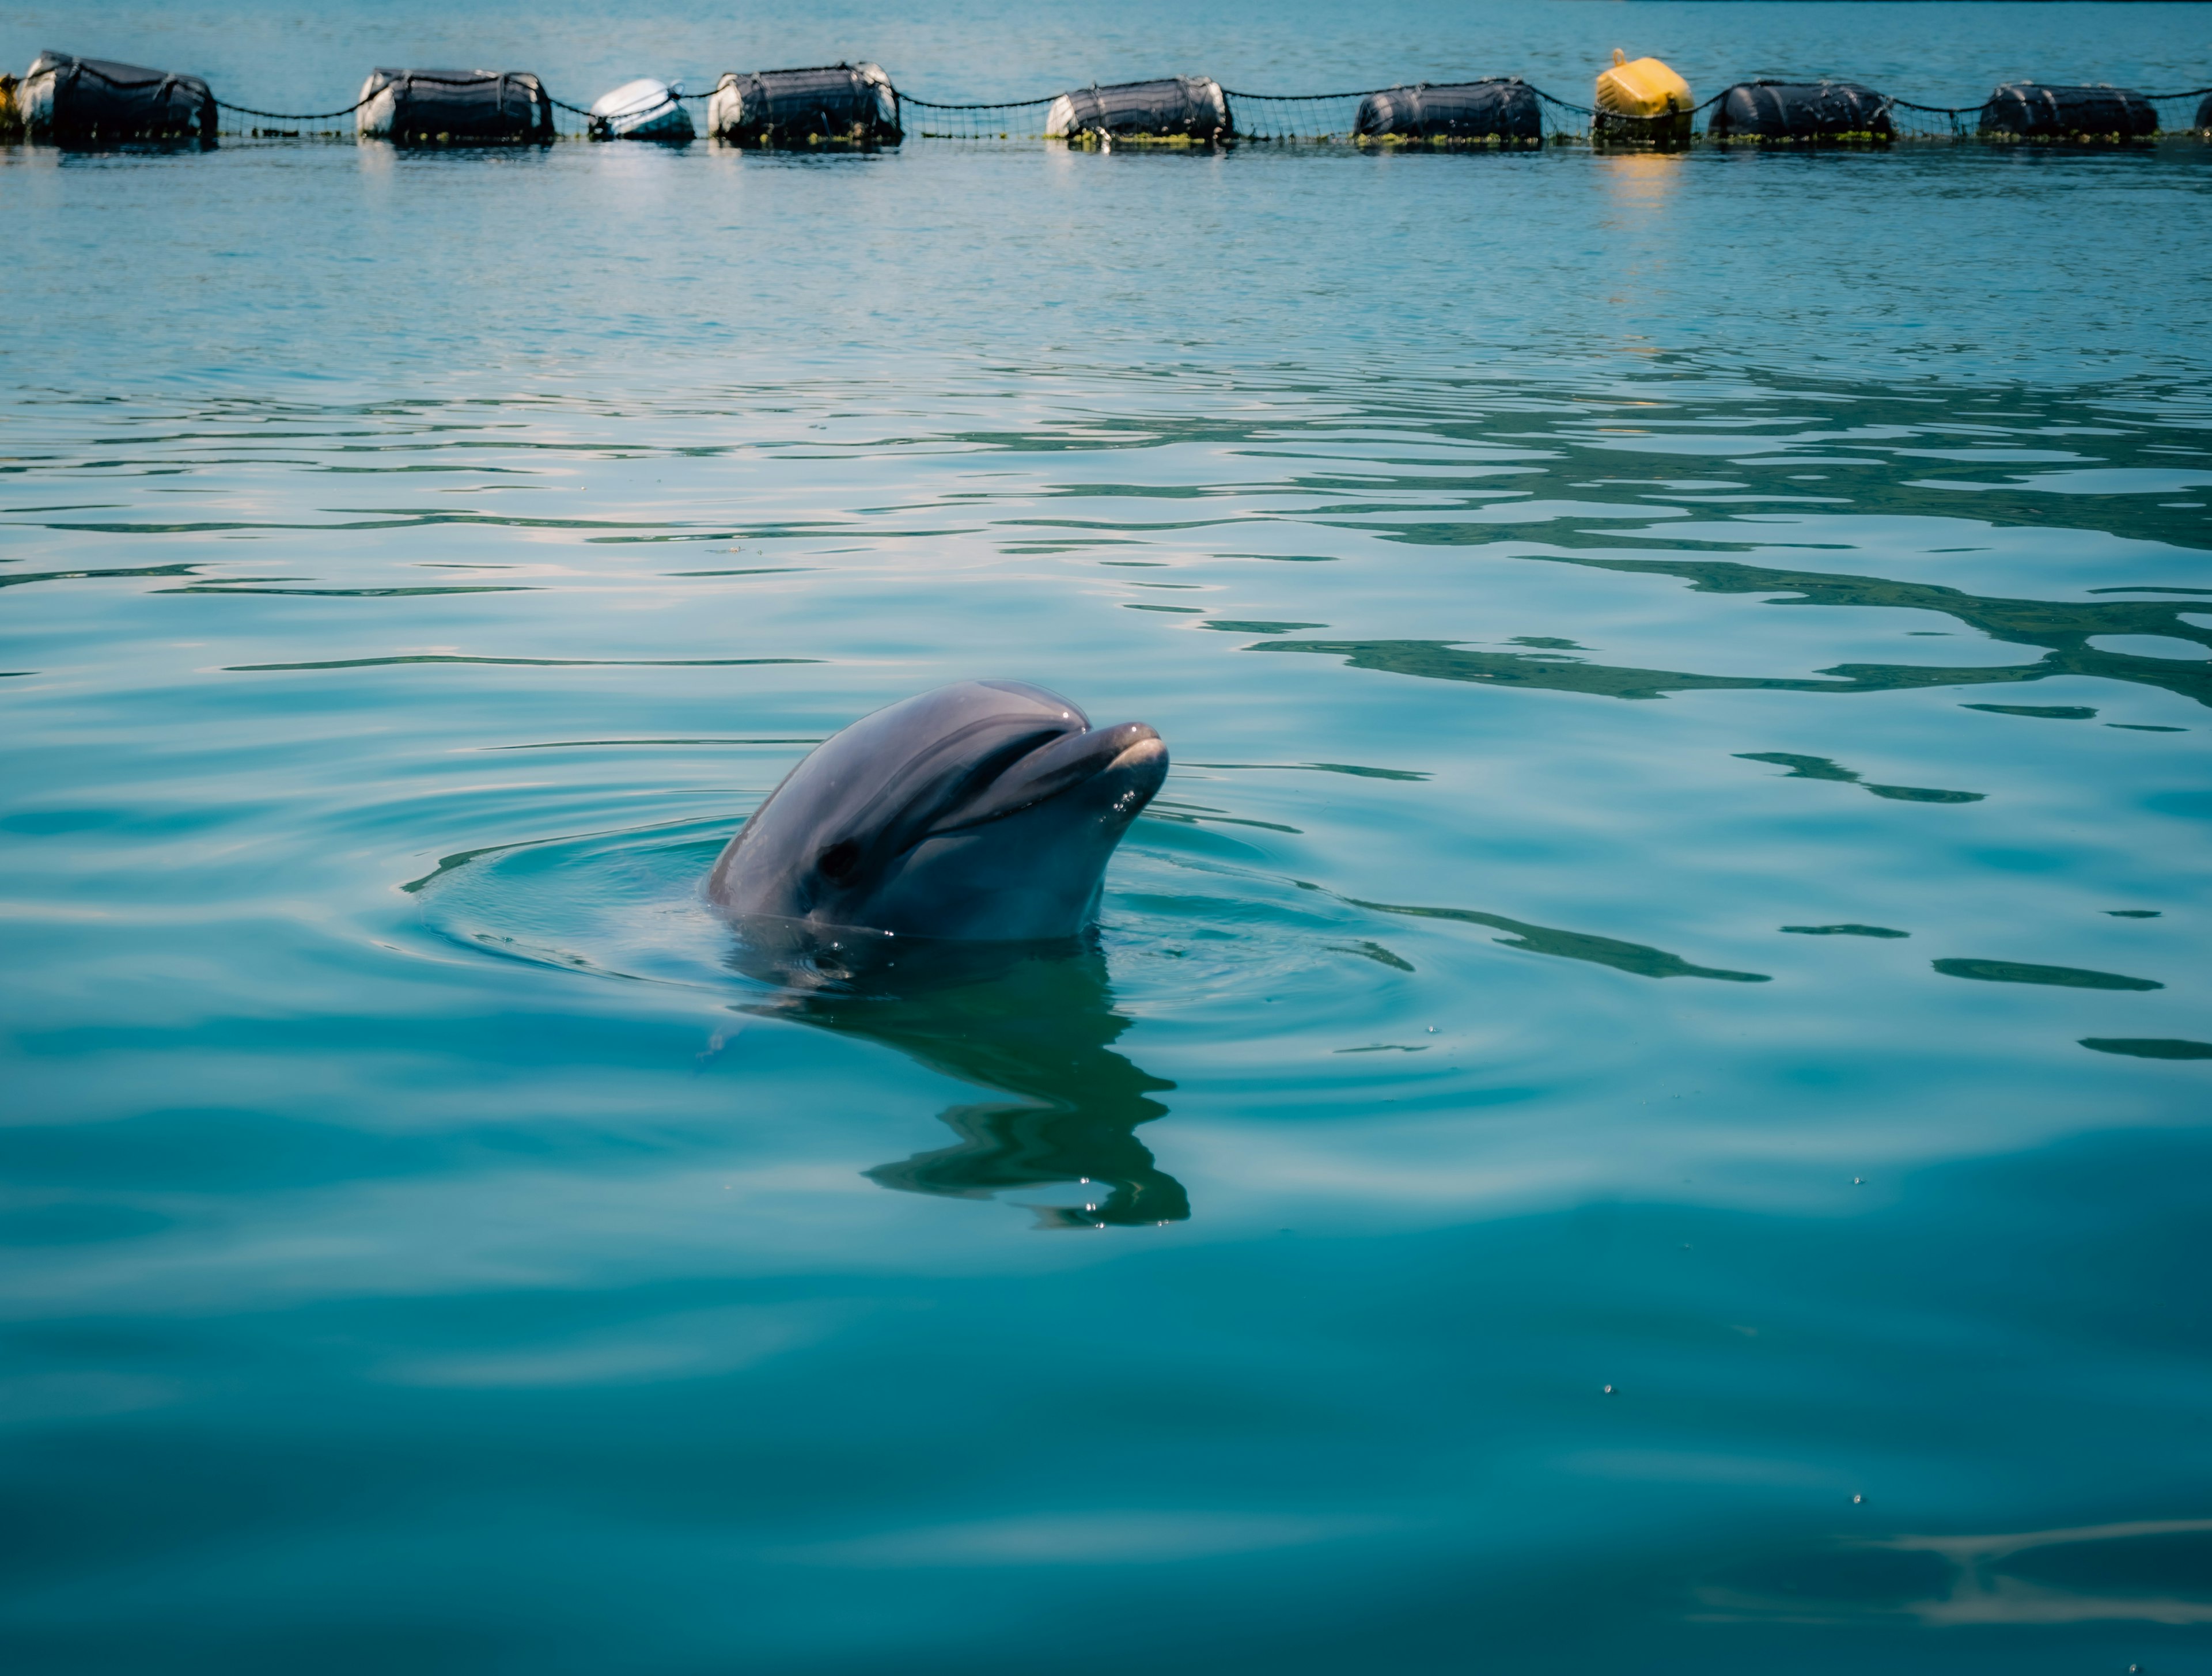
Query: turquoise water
{"type": "Point", "coordinates": [1630, 1111]}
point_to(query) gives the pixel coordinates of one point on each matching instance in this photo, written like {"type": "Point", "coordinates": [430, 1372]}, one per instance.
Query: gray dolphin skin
{"type": "Point", "coordinates": [984, 812]}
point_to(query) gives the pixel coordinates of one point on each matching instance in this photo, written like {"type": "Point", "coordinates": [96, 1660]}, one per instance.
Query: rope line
{"type": "Point", "coordinates": [996, 104]}
{"type": "Point", "coordinates": [1563, 104]}
{"type": "Point", "coordinates": [1938, 110]}
{"type": "Point", "coordinates": [291, 116]}
{"type": "Point", "coordinates": [1297, 97]}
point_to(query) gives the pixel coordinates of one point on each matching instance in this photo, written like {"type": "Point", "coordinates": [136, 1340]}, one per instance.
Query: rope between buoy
{"type": "Point", "coordinates": [293, 116]}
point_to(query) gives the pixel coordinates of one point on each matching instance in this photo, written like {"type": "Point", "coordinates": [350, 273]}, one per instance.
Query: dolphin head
{"type": "Point", "coordinates": [984, 810]}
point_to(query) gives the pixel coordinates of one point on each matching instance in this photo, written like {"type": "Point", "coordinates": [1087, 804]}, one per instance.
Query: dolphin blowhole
{"type": "Point", "coordinates": [986, 811]}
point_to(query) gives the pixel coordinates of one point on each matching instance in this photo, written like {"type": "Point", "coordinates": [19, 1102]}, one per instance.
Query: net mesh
{"type": "Point", "coordinates": [1020, 120]}
{"type": "Point", "coordinates": [1314, 118]}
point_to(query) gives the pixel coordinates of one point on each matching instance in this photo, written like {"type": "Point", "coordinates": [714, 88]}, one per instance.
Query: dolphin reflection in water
{"type": "Point", "coordinates": [929, 879]}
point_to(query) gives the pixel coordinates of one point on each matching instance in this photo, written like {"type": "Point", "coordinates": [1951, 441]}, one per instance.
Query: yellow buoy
{"type": "Point", "coordinates": [1655, 100]}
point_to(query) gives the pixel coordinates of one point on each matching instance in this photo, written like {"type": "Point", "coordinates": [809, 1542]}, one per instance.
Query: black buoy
{"type": "Point", "coordinates": [94, 101]}
{"type": "Point", "coordinates": [1175, 107]}
{"type": "Point", "coordinates": [2090, 116]}
{"type": "Point", "coordinates": [1801, 113]}
{"type": "Point", "coordinates": [454, 108]}
{"type": "Point", "coordinates": [1502, 110]}
{"type": "Point", "coordinates": [843, 103]}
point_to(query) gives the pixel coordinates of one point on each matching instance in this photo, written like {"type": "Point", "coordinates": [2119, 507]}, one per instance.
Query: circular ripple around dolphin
{"type": "Point", "coordinates": [627, 905]}
{"type": "Point", "coordinates": [621, 904]}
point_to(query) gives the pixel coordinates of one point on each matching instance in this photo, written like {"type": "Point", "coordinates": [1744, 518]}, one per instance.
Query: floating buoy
{"type": "Point", "coordinates": [642, 110]}
{"type": "Point", "coordinates": [1177, 107]}
{"type": "Point", "coordinates": [2029, 111]}
{"type": "Point", "coordinates": [1502, 110]}
{"type": "Point", "coordinates": [1642, 103]}
{"type": "Point", "coordinates": [93, 101]}
{"type": "Point", "coordinates": [1801, 113]}
{"type": "Point", "coordinates": [844, 104]}
{"type": "Point", "coordinates": [454, 108]}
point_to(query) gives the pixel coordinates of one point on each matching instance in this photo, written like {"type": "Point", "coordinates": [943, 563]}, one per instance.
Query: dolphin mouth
{"type": "Point", "coordinates": [1126, 764]}
{"type": "Point", "coordinates": [1140, 753]}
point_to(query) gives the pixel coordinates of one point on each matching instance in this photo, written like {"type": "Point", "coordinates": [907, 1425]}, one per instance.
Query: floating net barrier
{"type": "Point", "coordinates": [1642, 104]}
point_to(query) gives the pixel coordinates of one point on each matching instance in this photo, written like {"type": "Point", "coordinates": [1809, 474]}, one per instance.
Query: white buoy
{"type": "Point", "coordinates": [642, 110]}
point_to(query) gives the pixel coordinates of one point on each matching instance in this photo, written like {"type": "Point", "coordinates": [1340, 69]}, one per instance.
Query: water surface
{"type": "Point", "coordinates": [1639, 1102]}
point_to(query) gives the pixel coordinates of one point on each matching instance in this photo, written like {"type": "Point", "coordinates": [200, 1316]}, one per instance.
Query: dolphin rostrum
{"type": "Point", "coordinates": [985, 811]}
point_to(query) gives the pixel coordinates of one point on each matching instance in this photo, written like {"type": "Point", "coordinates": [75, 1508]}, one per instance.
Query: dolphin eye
{"type": "Point", "coordinates": [837, 860]}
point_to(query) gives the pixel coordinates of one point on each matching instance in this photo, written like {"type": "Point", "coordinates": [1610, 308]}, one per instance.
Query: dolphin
{"type": "Point", "coordinates": [982, 811]}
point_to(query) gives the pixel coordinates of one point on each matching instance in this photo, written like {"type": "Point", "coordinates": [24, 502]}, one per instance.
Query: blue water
{"type": "Point", "coordinates": [1631, 1110]}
